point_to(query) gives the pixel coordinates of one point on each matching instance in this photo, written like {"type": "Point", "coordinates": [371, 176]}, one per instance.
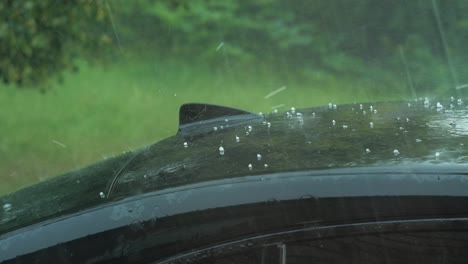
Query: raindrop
{"type": "Point", "coordinates": [396, 152]}
{"type": "Point", "coordinates": [418, 140]}
{"type": "Point", "coordinates": [333, 122]}
{"type": "Point", "coordinates": [371, 124]}
{"type": "Point", "coordinates": [293, 110]}
{"type": "Point", "coordinates": [259, 156]}
{"type": "Point", "coordinates": [237, 139]}
{"type": "Point", "coordinates": [7, 207]}
{"type": "Point", "coordinates": [221, 151]}
{"type": "Point", "coordinates": [185, 144]}
{"type": "Point", "coordinates": [102, 195]}
{"type": "Point", "coordinates": [368, 150]}
{"type": "Point", "coordinates": [215, 128]}
{"type": "Point", "coordinates": [250, 167]}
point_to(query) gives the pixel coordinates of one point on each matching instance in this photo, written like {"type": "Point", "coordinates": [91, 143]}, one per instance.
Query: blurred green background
{"type": "Point", "coordinates": [84, 80]}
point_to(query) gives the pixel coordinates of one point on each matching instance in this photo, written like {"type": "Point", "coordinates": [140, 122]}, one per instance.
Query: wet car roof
{"type": "Point", "coordinates": [234, 144]}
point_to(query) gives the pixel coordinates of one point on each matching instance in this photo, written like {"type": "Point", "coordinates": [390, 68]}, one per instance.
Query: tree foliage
{"type": "Point", "coordinates": [338, 37]}
{"type": "Point", "coordinates": [39, 39]}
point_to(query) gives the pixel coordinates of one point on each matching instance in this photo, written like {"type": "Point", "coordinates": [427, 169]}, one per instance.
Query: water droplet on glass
{"type": "Point", "coordinates": [102, 195]}
{"type": "Point", "coordinates": [333, 122]}
{"type": "Point", "coordinates": [221, 151]}
{"type": "Point", "coordinates": [250, 167]}
{"type": "Point", "coordinates": [396, 152]}
{"type": "Point", "coordinates": [371, 124]}
{"type": "Point", "coordinates": [237, 139]}
{"type": "Point", "coordinates": [368, 150]}
{"type": "Point", "coordinates": [185, 144]}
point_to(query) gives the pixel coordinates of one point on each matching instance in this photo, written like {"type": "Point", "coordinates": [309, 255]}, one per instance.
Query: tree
{"type": "Point", "coordinates": [40, 39]}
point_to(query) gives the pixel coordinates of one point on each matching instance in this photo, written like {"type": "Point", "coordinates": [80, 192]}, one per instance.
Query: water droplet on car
{"type": "Point", "coordinates": [250, 167]}
{"type": "Point", "coordinates": [102, 195]}
{"type": "Point", "coordinates": [221, 151]}
{"type": "Point", "coordinates": [7, 207]}
{"type": "Point", "coordinates": [185, 144]}
{"type": "Point", "coordinates": [259, 157]}
{"type": "Point", "coordinates": [396, 152]}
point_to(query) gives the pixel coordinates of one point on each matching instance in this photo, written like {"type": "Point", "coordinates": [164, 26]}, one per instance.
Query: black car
{"type": "Point", "coordinates": [357, 183]}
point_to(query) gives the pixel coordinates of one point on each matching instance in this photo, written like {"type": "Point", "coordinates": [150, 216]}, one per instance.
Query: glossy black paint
{"type": "Point", "coordinates": [162, 202]}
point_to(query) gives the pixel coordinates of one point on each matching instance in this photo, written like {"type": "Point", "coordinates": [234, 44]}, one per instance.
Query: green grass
{"type": "Point", "coordinates": [102, 111]}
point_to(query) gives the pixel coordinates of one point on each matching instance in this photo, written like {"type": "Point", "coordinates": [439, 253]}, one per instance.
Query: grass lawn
{"type": "Point", "coordinates": [102, 111]}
